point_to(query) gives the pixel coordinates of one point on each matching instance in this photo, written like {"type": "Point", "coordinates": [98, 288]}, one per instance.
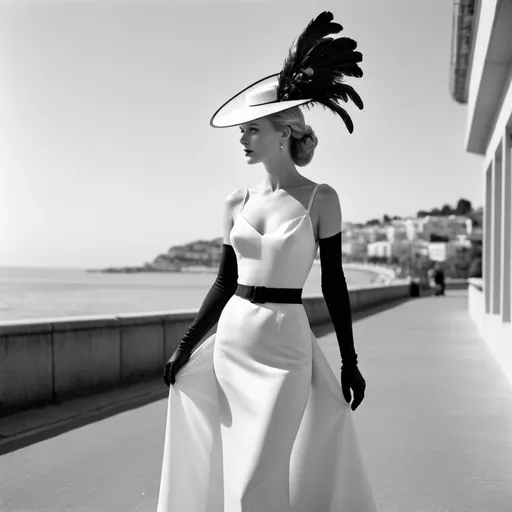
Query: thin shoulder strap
{"type": "Point", "coordinates": [313, 196]}
{"type": "Point", "coordinates": [244, 201]}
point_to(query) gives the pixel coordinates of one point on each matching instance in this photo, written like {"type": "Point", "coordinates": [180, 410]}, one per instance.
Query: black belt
{"type": "Point", "coordinates": [261, 294]}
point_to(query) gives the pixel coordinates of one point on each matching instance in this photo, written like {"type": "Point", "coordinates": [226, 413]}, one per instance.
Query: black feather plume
{"type": "Point", "coordinates": [316, 66]}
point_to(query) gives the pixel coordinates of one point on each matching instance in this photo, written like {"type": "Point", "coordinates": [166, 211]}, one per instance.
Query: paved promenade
{"type": "Point", "coordinates": [435, 428]}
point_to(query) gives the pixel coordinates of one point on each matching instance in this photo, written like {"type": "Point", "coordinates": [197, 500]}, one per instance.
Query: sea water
{"type": "Point", "coordinates": [35, 293]}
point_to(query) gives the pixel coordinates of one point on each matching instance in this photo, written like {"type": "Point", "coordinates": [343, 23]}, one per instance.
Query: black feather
{"type": "Point", "coordinates": [316, 66]}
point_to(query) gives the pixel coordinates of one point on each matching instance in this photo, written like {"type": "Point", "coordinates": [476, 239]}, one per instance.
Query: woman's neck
{"type": "Point", "coordinates": [282, 176]}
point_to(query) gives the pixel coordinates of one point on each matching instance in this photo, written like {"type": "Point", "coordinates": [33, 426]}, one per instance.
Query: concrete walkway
{"type": "Point", "coordinates": [436, 424]}
{"type": "Point", "coordinates": [435, 428]}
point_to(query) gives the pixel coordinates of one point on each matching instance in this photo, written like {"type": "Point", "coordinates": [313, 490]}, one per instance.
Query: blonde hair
{"type": "Point", "coordinates": [303, 140]}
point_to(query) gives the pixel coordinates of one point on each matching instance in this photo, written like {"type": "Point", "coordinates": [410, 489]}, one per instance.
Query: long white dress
{"type": "Point", "coordinates": [256, 420]}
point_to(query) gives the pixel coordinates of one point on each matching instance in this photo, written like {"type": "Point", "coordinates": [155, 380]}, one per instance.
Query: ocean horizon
{"type": "Point", "coordinates": [31, 293]}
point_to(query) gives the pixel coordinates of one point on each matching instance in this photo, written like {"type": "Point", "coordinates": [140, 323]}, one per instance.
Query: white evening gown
{"type": "Point", "coordinates": [256, 420]}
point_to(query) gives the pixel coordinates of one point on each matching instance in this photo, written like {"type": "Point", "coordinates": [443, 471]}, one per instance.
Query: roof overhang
{"type": "Point", "coordinates": [481, 67]}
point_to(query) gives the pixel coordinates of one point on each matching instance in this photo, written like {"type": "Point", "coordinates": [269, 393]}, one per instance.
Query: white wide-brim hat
{"type": "Point", "coordinates": [313, 72]}
{"type": "Point", "coordinates": [254, 102]}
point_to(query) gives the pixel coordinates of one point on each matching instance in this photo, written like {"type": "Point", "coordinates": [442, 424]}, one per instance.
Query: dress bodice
{"type": "Point", "coordinates": [280, 258]}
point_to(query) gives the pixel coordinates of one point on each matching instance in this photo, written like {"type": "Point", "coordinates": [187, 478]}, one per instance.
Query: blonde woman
{"type": "Point", "coordinates": [256, 420]}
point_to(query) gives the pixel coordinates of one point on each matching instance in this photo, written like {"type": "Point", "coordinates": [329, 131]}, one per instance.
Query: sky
{"type": "Point", "coordinates": [107, 157]}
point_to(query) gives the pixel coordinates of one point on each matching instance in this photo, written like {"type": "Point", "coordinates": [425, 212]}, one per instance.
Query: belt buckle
{"type": "Point", "coordinates": [253, 294]}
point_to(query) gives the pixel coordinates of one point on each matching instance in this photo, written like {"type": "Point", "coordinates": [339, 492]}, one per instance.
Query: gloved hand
{"type": "Point", "coordinates": [337, 298]}
{"type": "Point", "coordinates": [209, 313]}
{"type": "Point", "coordinates": [351, 378]}
{"type": "Point", "coordinates": [175, 363]}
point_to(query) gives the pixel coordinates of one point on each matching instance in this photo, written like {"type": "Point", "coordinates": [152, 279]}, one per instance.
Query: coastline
{"type": "Point", "coordinates": [33, 293]}
{"type": "Point", "coordinates": [382, 274]}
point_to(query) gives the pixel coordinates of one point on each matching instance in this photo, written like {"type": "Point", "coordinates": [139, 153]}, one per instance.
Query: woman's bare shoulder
{"type": "Point", "coordinates": [326, 192]}
{"type": "Point", "coordinates": [232, 202]}
{"type": "Point", "coordinates": [329, 215]}
{"type": "Point", "coordinates": [235, 197]}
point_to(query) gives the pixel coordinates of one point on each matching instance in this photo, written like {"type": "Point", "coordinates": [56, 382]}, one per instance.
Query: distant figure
{"type": "Point", "coordinates": [439, 279]}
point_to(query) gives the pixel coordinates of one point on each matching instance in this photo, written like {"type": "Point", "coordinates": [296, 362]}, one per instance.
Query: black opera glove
{"type": "Point", "coordinates": [179, 358]}
{"type": "Point", "coordinates": [337, 299]}
{"type": "Point", "coordinates": [351, 378]}
{"type": "Point", "coordinates": [208, 315]}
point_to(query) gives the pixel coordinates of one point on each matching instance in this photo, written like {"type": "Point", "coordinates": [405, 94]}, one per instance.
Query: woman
{"type": "Point", "coordinates": [256, 420]}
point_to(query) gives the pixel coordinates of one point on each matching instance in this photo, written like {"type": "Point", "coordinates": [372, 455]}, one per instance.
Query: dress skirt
{"type": "Point", "coordinates": [257, 422]}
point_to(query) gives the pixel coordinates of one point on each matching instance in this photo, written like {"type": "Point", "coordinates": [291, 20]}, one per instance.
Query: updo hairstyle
{"type": "Point", "coordinates": [303, 140]}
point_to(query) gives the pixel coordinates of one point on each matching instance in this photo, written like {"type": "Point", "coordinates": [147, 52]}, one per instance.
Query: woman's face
{"type": "Point", "coordinates": [260, 137]}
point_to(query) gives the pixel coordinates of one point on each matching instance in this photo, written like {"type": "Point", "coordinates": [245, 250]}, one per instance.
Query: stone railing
{"type": "Point", "coordinates": [52, 360]}
{"type": "Point", "coordinates": [456, 283]}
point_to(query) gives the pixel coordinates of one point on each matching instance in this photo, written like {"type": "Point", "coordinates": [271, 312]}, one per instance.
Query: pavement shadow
{"type": "Point", "coordinates": [64, 417]}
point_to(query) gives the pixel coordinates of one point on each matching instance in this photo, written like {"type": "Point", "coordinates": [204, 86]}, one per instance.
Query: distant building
{"type": "Point", "coordinates": [371, 233]}
{"type": "Point", "coordinates": [396, 232]}
{"type": "Point", "coordinates": [383, 249]}
{"type": "Point", "coordinates": [476, 236]}
{"type": "Point", "coordinates": [462, 241]}
{"type": "Point", "coordinates": [353, 247]}
{"type": "Point", "coordinates": [387, 249]}
{"type": "Point", "coordinates": [441, 251]}
{"type": "Point", "coordinates": [412, 227]}
{"type": "Point", "coordinates": [481, 78]}
{"type": "Point", "coordinates": [419, 247]}
{"type": "Point", "coordinates": [449, 226]}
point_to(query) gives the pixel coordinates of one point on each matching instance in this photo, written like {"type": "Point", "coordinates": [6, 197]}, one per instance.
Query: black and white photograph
{"type": "Point", "coordinates": [255, 256]}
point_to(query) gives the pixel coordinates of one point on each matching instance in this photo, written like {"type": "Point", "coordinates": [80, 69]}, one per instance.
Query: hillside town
{"type": "Point", "coordinates": [410, 246]}
{"type": "Point", "coordinates": [413, 245]}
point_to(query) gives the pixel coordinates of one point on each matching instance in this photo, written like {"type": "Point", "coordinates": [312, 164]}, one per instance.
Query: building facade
{"type": "Point", "coordinates": [441, 251]}
{"type": "Point", "coordinates": [481, 78]}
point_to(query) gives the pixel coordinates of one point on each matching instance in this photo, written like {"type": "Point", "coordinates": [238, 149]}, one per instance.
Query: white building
{"type": "Point", "coordinates": [441, 251]}
{"type": "Point", "coordinates": [372, 233]}
{"type": "Point", "coordinates": [396, 232]}
{"type": "Point", "coordinates": [386, 248]}
{"type": "Point", "coordinates": [353, 247]}
{"type": "Point", "coordinates": [383, 249]}
{"type": "Point", "coordinates": [481, 77]}
{"type": "Point", "coordinates": [449, 226]}
{"type": "Point", "coordinates": [413, 227]}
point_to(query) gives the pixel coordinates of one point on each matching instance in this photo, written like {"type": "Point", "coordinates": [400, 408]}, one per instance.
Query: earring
{"type": "Point", "coordinates": [281, 146]}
